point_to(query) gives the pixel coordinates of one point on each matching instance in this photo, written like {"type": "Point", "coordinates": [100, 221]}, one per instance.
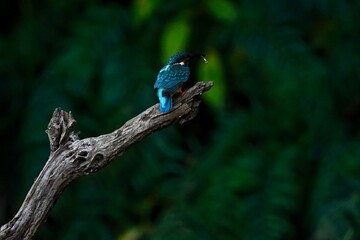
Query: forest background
{"type": "Point", "coordinates": [273, 153]}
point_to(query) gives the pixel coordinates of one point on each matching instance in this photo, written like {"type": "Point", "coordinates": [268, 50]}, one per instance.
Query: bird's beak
{"type": "Point", "coordinates": [195, 56]}
{"type": "Point", "coordinates": [203, 57]}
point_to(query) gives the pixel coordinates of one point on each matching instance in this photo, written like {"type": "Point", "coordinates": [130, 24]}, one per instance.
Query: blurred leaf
{"type": "Point", "coordinates": [143, 9]}
{"type": "Point", "coordinates": [213, 71]}
{"type": "Point", "coordinates": [132, 234]}
{"type": "Point", "coordinates": [175, 37]}
{"type": "Point", "coordinates": [222, 10]}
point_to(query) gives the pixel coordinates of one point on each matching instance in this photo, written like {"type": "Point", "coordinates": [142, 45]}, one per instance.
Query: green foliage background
{"type": "Point", "coordinates": [273, 154]}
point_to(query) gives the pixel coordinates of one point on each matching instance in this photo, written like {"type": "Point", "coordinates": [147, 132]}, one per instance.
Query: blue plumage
{"type": "Point", "coordinates": [165, 101]}
{"type": "Point", "coordinates": [171, 78]}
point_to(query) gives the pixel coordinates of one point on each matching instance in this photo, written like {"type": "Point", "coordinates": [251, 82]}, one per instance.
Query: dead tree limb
{"type": "Point", "coordinates": [71, 157]}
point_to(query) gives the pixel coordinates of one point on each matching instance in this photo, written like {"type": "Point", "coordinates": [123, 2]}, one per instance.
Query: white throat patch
{"type": "Point", "coordinates": [180, 63]}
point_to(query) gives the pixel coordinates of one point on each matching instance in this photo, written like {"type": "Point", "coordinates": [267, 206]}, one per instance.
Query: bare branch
{"type": "Point", "coordinates": [71, 157]}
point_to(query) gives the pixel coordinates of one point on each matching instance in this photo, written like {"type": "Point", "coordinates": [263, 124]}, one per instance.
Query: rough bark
{"type": "Point", "coordinates": [71, 157]}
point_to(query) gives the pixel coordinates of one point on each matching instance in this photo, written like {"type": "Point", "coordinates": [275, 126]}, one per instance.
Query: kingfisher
{"type": "Point", "coordinates": [172, 76]}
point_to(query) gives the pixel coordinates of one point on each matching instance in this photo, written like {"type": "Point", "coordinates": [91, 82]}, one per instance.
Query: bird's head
{"type": "Point", "coordinates": [184, 58]}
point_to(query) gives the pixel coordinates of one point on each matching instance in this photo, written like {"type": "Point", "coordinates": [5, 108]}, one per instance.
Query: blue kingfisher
{"type": "Point", "coordinates": [172, 77]}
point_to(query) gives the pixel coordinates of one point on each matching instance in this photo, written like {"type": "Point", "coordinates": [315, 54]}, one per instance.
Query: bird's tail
{"type": "Point", "coordinates": [165, 101]}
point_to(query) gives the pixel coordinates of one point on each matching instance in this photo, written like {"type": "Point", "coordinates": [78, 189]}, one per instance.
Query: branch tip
{"type": "Point", "coordinates": [58, 128]}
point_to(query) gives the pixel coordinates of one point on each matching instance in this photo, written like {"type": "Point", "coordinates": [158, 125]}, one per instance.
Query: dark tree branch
{"type": "Point", "coordinates": [71, 157]}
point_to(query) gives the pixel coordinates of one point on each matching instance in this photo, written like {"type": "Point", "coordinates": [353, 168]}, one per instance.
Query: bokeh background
{"type": "Point", "coordinates": [273, 154]}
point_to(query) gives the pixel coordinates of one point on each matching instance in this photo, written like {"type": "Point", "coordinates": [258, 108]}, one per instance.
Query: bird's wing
{"type": "Point", "coordinates": [171, 76]}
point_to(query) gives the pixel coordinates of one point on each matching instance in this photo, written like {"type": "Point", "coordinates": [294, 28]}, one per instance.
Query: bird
{"type": "Point", "coordinates": [172, 76]}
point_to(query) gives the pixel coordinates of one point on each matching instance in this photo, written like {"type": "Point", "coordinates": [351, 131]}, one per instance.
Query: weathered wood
{"type": "Point", "coordinates": [71, 157]}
